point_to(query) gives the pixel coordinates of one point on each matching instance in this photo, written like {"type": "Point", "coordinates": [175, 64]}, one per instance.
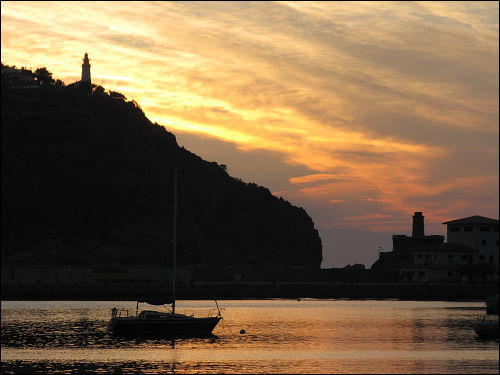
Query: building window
{"type": "Point", "coordinates": [497, 243]}
{"type": "Point", "coordinates": [464, 257]}
{"type": "Point", "coordinates": [419, 256]}
{"type": "Point", "coordinates": [450, 274]}
{"type": "Point", "coordinates": [484, 228]}
{"type": "Point", "coordinates": [495, 228]}
{"type": "Point", "coordinates": [481, 258]}
{"type": "Point", "coordinates": [468, 228]}
{"type": "Point", "coordinates": [454, 228]}
{"type": "Point", "coordinates": [491, 259]}
{"type": "Point", "coordinates": [421, 273]}
{"type": "Point", "coordinates": [484, 242]}
{"type": "Point", "coordinates": [450, 259]}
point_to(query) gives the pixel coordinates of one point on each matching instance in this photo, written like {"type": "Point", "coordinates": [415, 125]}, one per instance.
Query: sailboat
{"type": "Point", "coordinates": [487, 326]}
{"type": "Point", "coordinates": [166, 324]}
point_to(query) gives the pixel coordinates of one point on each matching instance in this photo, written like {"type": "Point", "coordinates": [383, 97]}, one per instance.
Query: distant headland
{"type": "Point", "coordinates": [87, 180]}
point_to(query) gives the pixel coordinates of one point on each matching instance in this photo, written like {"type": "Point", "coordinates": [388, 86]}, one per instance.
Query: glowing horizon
{"type": "Point", "coordinates": [375, 109]}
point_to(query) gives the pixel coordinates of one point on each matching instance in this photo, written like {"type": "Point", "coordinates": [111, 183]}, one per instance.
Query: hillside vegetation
{"type": "Point", "coordinates": [88, 179]}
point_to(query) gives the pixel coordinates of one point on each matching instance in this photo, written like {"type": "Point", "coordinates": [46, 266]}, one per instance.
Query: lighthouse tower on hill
{"type": "Point", "coordinates": [85, 83]}
{"type": "Point", "coordinates": [86, 69]}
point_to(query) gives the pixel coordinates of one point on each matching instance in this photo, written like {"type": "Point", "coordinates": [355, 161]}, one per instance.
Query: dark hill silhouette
{"type": "Point", "coordinates": [88, 179]}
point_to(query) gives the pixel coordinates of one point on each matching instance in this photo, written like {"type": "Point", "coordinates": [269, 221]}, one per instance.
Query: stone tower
{"type": "Point", "coordinates": [86, 69]}
{"type": "Point", "coordinates": [418, 225]}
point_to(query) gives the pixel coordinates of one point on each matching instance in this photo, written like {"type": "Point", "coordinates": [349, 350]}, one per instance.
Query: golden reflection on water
{"type": "Point", "coordinates": [282, 336]}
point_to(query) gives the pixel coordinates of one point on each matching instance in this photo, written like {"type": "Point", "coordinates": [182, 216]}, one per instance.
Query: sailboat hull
{"type": "Point", "coordinates": [164, 327]}
{"type": "Point", "coordinates": [486, 329]}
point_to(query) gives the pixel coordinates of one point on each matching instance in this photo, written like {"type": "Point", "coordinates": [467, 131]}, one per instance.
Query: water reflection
{"type": "Point", "coordinates": [83, 333]}
{"type": "Point", "coordinates": [350, 366]}
{"type": "Point", "coordinates": [310, 336]}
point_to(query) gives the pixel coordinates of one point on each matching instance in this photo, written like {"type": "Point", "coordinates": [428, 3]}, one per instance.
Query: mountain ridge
{"type": "Point", "coordinates": [88, 179]}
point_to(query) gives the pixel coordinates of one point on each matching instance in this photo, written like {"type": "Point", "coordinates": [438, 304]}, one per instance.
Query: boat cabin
{"type": "Point", "coordinates": [150, 314]}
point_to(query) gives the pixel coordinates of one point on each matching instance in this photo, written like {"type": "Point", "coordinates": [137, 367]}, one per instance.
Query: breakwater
{"type": "Point", "coordinates": [37, 282]}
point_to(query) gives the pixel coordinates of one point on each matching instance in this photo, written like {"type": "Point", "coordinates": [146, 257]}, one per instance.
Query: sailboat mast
{"type": "Point", "coordinates": [174, 240]}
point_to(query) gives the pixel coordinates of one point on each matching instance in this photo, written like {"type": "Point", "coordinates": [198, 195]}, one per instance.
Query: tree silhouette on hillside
{"type": "Point", "coordinates": [88, 179]}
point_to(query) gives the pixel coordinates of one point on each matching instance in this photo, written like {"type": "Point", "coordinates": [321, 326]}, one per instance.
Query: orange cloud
{"type": "Point", "coordinates": [391, 108]}
{"type": "Point", "coordinates": [312, 178]}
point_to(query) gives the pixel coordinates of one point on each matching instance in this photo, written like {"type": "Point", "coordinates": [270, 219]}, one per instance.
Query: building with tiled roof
{"type": "Point", "coordinates": [473, 220]}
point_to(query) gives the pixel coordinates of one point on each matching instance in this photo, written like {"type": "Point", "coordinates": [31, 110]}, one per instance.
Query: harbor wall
{"type": "Point", "coordinates": [130, 283]}
{"type": "Point", "coordinates": [233, 290]}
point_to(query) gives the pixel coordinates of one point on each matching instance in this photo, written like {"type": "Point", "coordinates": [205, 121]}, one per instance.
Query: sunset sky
{"type": "Point", "coordinates": [360, 112]}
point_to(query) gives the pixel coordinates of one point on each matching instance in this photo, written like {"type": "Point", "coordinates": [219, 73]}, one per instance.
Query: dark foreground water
{"type": "Point", "coordinates": [282, 336]}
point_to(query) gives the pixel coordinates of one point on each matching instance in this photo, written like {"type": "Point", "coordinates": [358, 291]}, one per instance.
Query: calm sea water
{"type": "Point", "coordinates": [282, 336]}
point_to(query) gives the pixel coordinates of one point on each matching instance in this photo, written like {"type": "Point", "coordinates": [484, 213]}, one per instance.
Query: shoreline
{"type": "Point", "coordinates": [252, 290]}
{"type": "Point", "coordinates": [248, 299]}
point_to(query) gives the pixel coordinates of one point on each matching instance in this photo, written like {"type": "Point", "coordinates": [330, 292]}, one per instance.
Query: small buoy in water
{"type": "Point", "coordinates": [298, 299]}
{"type": "Point", "coordinates": [242, 331]}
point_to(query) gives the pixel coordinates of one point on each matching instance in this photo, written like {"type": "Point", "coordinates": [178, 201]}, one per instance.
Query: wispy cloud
{"type": "Point", "coordinates": [391, 106]}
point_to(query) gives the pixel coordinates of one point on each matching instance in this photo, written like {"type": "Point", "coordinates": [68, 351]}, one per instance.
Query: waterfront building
{"type": "Point", "coordinates": [469, 255]}
{"type": "Point", "coordinates": [477, 232]}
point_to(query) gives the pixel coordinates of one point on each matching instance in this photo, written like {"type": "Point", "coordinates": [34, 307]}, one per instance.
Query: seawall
{"type": "Point", "coordinates": [249, 290]}
{"type": "Point", "coordinates": [38, 282]}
